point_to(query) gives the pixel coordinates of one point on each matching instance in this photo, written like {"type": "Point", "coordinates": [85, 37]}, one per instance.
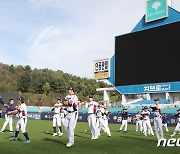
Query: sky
{"type": "Point", "coordinates": [65, 35]}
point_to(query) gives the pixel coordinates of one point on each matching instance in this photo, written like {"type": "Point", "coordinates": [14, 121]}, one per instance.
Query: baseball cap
{"type": "Point", "coordinates": [145, 107]}
{"type": "Point", "coordinates": [59, 99]}
{"type": "Point", "coordinates": [71, 88]}
{"type": "Point", "coordinates": [21, 99]}
{"type": "Point", "coordinates": [90, 96]}
{"type": "Point", "coordinates": [156, 99]}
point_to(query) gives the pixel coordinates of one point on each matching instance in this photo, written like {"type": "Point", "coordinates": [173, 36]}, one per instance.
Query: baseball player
{"type": "Point", "coordinates": [124, 115]}
{"type": "Point", "coordinates": [100, 121]}
{"type": "Point", "coordinates": [146, 121]}
{"type": "Point", "coordinates": [57, 117]}
{"type": "Point", "coordinates": [177, 128]}
{"type": "Point", "coordinates": [8, 118]}
{"type": "Point", "coordinates": [106, 118]}
{"type": "Point", "coordinates": [72, 113]}
{"type": "Point", "coordinates": [63, 113]}
{"type": "Point", "coordinates": [138, 121]}
{"type": "Point", "coordinates": [157, 119]}
{"type": "Point", "coordinates": [92, 106]}
{"type": "Point", "coordinates": [164, 122]}
{"type": "Point", "coordinates": [21, 124]}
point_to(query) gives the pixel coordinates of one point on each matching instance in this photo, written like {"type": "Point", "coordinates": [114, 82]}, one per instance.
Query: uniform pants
{"type": "Point", "coordinates": [56, 120]}
{"type": "Point", "coordinates": [165, 125]}
{"type": "Point", "coordinates": [70, 124]}
{"type": "Point", "coordinates": [21, 125]}
{"type": "Point", "coordinates": [92, 125]}
{"type": "Point", "coordinates": [139, 124]}
{"type": "Point", "coordinates": [158, 127]}
{"type": "Point", "coordinates": [124, 124]}
{"type": "Point", "coordinates": [8, 119]}
{"type": "Point", "coordinates": [101, 122]}
{"type": "Point", "coordinates": [147, 125]}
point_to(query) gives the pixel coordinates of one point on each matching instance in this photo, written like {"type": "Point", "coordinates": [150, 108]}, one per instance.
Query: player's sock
{"type": "Point", "coordinates": [54, 128]}
{"type": "Point", "coordinates": [26, 135]}
{"type": "Point", "coordinates": [60, 128]}
{"type": "Point", "coordinates": [16, 133]}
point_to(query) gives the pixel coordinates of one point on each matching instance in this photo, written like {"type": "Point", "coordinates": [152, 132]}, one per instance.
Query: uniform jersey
{"type": "Point", "coordinates": [22, 110]}
{"type": "Point", "coordinates": [99, 112]}
{"type": "Point", "coordinates": [10, 107]}
{"type": "Point", "coordinates": [164, 119]}
{"type": "Point", "coordinates": [146, 115]}
{"type": "Point", "coordinates": [138, 117]}
{"type": "Point", "coordinates": [57, 108]}
{"type": "Point", "coordinates": [106, 114]}
{"type": "Point", "coordinates": [63, 112]}
{"type": "Point", "coordinates": [124, 115]}
{"type": "Point", "coordinates": [72, 103]}
{"type": "Point", "coordinates": [92, 106]}
{"type": "Point", "coordinates": [157, 111]}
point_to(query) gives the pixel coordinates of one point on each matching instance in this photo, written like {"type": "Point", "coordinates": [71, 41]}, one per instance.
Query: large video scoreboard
{"type": "Point", "coordinates": [148, 56]}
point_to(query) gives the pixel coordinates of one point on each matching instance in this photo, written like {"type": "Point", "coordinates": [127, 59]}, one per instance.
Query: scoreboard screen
{"type": "Point", "coordinates": [148, 56]}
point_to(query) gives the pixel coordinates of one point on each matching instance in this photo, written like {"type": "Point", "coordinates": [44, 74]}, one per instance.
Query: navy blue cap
{"type": "Point", "coordinates": [145, 107]}
{"type": "Point", "coordinates": [91, 96]}
{"type": "Point", "coordinates": [21, 99]}
{"type": "Point", "coordinates": [71, 88]}
{"type": "Point", "coordinates": [156, 99]}
{"type": "Point", "coordinates": [59, 99]}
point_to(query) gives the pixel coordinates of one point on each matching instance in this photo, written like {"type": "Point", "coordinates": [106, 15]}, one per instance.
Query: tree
{"type": "Point", "coordinates": [46, 88]}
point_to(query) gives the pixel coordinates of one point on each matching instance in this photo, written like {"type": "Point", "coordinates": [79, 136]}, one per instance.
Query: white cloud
{"type": "Point", "coordinates": [73, 46]}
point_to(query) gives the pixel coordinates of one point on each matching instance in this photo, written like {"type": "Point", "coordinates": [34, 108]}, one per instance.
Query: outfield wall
{"type": "Point", "coordinates": [113, 118]}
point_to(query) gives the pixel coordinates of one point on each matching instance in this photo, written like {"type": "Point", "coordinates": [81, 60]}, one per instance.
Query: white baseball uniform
{"type": "Point", "coordinates": [21, 124]}
{"type": "Point", "coordinates": [158, 123]}
{"type": "Point", "coordinates": [57, 117]}
{"type": "Point", "coordinates": [100, 121]}
{"type": "Point", "coordinates": [138, 122]}
{"type": "Point", "coordinates": [146, 122]}
{"type": "Point", "coordinates": [71, 117]}
{"type": "Point", "coordinates": [92, 106]}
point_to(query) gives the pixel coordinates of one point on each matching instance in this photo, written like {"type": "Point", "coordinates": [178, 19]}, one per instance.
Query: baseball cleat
{"type": "Point", "coordinates": [27, 141]}
{"type": "Point", "coordinates": [172, 135]}
{"type": "Point", "coordinates": [69, 144]}
{"type": "Point", "coordinates": [13, 138]}
{"type": "Point", "coordinates": [95, 138]}
{"type": "Point", "coordinates": [1, 131]}
{"type": "Point", "coordinates": [55, 134]}
{"type": "Point", "coordinates": [60, 134]}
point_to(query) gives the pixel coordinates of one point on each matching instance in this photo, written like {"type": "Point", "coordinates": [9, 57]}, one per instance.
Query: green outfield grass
{"type": "Point", "coordinates": [45, 143]}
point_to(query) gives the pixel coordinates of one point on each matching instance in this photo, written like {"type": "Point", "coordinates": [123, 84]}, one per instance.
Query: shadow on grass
{"type": "Point", "coordinates": [81, 136]}
{"type": "Point", "coordinates": [55, 141]}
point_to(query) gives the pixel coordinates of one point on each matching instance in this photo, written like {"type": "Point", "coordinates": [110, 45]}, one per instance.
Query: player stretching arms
{"type": "Point", "coordinates": [100, 121]}
{"type": "Point", "coordinates": [8, 118]}
{"type": "Point", "coordinates": [72, 113]}
{"type": "Point", "coordinates": [146, 121]}
{"type": "Point", "coordinates": [57, 117]}
{"type": "Point", "coordinates": [138, 121]}
{"type": "Point", "coordinates": [177, 128]}
{"type": "Point", "coordinates": [157, 120]}
{"type": "Point", "coordinates": [21, 124]}
{"type": "Point", "coordinates": [124, 115]}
